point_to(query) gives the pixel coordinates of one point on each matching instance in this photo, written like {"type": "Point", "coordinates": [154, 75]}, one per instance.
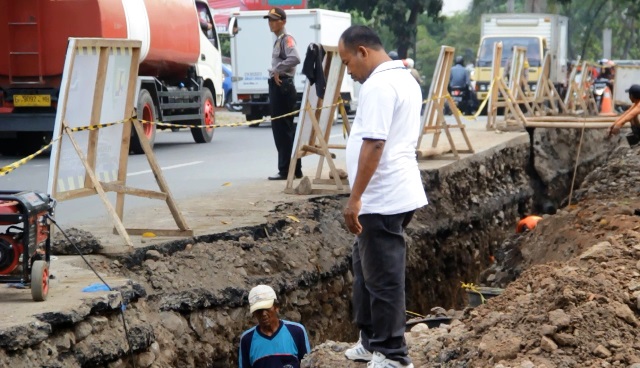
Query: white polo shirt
{"type": "Point", "coordinates": [389, 109]}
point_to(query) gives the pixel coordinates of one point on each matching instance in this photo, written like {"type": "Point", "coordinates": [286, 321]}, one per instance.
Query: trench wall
{"type": "Point", "coordinates": [474, 204]}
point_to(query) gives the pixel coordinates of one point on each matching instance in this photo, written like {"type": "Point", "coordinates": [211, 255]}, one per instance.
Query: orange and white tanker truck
{"type": "Point", "coordinates": [180, 74]}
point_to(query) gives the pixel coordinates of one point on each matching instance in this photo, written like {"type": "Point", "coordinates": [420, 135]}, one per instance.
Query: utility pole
{"type": "Point", "coordinates": [511, 6]}
{"type": "Point", "coordinates": [535, 6]}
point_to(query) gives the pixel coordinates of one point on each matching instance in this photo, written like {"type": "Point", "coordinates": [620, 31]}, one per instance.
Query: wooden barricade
{"type": "Point", "coordinates": [499, 89]}
{"type": "Point", "coordinates": [314, 127]}
{"type": "Point", "coordinates": [547, 99]}
{"type": "Point", "coordinates": [433, 118]}
{"type": "Point", "coordinates": [99, 87]}
{"type": "Point", "coordinates": [579, 99]}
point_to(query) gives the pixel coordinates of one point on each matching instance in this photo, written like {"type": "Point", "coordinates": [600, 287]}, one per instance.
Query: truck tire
{"type": "Point", "coordinates": [205, 134]}
{"type": "Point", "coordinates": [27, 143]}
{"type": "Point", "coordinates": [146, 110]}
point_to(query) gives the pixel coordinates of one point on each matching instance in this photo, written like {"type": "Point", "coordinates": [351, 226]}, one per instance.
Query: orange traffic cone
{"type": "Point", "coordinates": [606, 105]}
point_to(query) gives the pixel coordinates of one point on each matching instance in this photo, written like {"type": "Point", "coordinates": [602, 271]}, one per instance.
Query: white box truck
{"type": "Point", "coordinates": [538, 33]}
{"type": "Point", "coordinates": [251, 54]}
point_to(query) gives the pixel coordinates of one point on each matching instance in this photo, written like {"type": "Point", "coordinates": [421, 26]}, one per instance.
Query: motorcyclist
{"type": "Point", "coordinates": [459, 75]}
{"type": "Point", "coordinates": [607, 72]}
{"type": "Point", "coordinates": [460, 78]}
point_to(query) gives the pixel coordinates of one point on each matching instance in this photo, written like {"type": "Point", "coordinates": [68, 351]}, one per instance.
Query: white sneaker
{"type": "Point", "coordinates": [358, 353]}
{"type": "Point", "coordinates": [380, 361]}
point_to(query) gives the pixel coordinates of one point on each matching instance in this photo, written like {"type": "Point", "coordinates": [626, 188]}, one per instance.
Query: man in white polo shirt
{"type": "Point", "coordinates": [386, 189]}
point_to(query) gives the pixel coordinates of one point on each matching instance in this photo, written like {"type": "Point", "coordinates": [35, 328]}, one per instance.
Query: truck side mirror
{"type": "Point", "coordinates": [232, 27]}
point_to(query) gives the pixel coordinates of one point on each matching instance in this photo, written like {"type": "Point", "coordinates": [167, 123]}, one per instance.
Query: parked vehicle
{"type": "Point", "coordinates": [599, 87]}
{"type": "Point", "coordinates": [226, 83]}
{"type": "Point", "coordinates": [180, 75]}
{"type": "Point", "coordinates": [539, 33]}
{"type": "Point", "coordinates": [251, 54]}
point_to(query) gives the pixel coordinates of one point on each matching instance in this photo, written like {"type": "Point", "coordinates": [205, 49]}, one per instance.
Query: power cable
{"type": "Point", "coordinates": [123, 306]}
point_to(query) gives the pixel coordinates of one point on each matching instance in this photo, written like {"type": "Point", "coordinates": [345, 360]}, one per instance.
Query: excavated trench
{"type": "Point", "coordinates": [187, 301]}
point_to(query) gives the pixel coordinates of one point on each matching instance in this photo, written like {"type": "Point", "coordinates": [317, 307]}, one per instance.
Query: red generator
{"type": "Point", "coordinates": [25, 243]}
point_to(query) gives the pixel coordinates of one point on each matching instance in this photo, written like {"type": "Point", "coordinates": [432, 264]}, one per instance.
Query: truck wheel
{"type": "Point", "coordinates": [146, 110]}
{"type": "Point", "coordinates": [205, 134]}
{"type": "Point", "coordinates": [9, 147]}
{"type": "Point", "coordinates": [30, 142]}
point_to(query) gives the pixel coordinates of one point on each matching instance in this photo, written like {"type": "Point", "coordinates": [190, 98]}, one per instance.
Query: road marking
{"type": "Point", "coordinates": [166, 168]}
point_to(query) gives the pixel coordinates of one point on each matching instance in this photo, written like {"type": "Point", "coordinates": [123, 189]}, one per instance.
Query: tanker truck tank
{"type": "Point", "coordinates": [174, 50]}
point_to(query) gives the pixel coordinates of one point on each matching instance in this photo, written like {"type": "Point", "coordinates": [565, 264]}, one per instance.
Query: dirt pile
{"type": "Point", "coordinates": [83, 240]}
{"type": "Point", "coordinates": [572, 295]}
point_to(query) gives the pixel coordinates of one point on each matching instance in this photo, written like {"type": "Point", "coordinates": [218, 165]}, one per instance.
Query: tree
{"type": "Point", "coordinates": [400, 16]}
{"type": "Point", "coordinates": [587, 20]}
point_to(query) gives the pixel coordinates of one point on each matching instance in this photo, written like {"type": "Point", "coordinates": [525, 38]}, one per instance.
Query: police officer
{"type": "Point", "coordinates": [282, 92]}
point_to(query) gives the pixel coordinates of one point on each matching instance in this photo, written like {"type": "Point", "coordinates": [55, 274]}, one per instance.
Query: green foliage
{"type": "Point", "coordinates": [460, 31]}
{"type": "Point", "coordinates": [587, 21]}
{"type": "Point", "coordinates": [399, 17]}
{"type": "Point", "coordinates": [589, 18]}
{"type": "Point", "coordinates": [421, 38]}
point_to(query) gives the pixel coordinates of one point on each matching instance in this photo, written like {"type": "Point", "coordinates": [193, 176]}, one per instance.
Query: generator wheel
{"type": "Point", "coordinates": [39, 281]}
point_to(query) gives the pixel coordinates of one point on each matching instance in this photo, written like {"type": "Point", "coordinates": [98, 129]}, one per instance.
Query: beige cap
{"type": "Point", "coordinates": [261, 297]}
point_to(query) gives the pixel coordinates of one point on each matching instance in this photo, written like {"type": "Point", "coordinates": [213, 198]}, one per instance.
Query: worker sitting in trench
{"type": "Point", "coordinates": [631, 116]}
{"type": "Point", "coordinates": [527, 224]}
{"type": "Point", "coordinates": [273, 342]}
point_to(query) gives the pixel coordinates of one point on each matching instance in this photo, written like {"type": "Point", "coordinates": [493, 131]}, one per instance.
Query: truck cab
{"type": "Point", "coordinates": [540, 34]}
{"type": "Point", "coordinates": [535, 45]}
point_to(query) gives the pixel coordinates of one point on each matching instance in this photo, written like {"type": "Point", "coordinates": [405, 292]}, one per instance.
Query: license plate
{"type": "Point", "coordinates": [31, 100]}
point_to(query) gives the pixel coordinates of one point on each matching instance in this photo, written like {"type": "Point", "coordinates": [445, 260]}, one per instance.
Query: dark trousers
{"type": "Point", "coordinates": [282, 99]}
{"type": "Point", "coordinates": [379, 264]}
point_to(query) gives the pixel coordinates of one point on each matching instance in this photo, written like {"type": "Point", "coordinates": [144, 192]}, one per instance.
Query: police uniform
{"type": "Point", "coordinates": [284, 59]}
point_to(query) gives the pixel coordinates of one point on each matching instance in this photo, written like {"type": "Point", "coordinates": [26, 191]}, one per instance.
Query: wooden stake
{"type": "Point", "coordinates": [98, 187]}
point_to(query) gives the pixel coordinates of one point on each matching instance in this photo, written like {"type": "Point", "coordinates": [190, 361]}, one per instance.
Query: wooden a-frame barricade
{"type": "Point", "coordinates": [547, 99]}
{"type": "Point", "coordinates": [433, 118]}
{"type": "Point", "coordinates": [314, 127]}
{"type": "Point", "coordinates": [512, 93]}
{"type": "Point", "coordinates": [112, 86]}
{"type": "Point", "coordinates": [579, 99]}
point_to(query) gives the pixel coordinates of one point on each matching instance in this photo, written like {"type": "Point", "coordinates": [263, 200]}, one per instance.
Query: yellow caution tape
{"type": "Point", "coordinates": [471, 287]}
{"type": "Point", "coordinates": [414, 314]}
{"type": "Point", "coordinates": [11, 167]}
{"type": "Point", "coordinates": [98, 126]}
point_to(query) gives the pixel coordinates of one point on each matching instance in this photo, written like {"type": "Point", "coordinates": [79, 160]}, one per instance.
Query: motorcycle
{"type": "Point", "coordinates": [462, 97]}
{"type": "Point", "coordinates": [598, 88]}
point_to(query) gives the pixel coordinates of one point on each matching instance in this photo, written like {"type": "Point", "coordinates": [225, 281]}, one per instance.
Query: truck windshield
{"type": "Point", "coordinates": [534, 50]}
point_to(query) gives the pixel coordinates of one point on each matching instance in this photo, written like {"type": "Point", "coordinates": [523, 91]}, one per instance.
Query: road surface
{"type": "Point", "coordinates": [240, 155]}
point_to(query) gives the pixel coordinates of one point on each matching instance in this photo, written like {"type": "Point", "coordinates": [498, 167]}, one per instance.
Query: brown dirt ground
{"type": "Point", "coordinates": [572, 296]}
